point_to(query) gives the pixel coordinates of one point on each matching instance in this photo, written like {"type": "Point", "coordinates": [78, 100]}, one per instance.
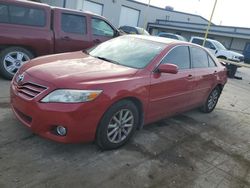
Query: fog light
{"type": "Point", "coordinates": [62, 131]}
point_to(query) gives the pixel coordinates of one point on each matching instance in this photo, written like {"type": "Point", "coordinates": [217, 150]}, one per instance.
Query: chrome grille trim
{"type": "Point", "coordinates": [30, 90]}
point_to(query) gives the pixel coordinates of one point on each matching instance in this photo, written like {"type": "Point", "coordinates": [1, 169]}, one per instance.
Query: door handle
{"type": "Point", "coordinates": [190, 76]}
{"type": "Point", "coordinates": [67, 38]}
{"type": "Point", "coordinates": [215, 72]}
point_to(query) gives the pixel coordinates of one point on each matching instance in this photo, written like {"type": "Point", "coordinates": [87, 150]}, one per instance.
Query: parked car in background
{"type": "Point", "coordinates": [114, 88]}
{"type": "Point", "coordinates": [133, 30]}
{"type": "Point", "coordinates": [218, 49]}
{"type": "Point", "coordinates": [32, 29]}
{"type": "Point", "coordinates": [172, 36]}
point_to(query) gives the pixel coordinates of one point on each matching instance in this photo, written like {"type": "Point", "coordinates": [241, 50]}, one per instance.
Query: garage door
{"type": "Point", "coordinates": [92, 7]}
{"type": "Point", "coordinates": [129, 16]}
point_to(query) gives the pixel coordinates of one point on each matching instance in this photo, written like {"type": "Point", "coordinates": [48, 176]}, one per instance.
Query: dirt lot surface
{"type": "Point", "coordinates": [190, 150]}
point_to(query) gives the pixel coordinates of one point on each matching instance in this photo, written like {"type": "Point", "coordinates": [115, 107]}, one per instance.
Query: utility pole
{"type": "Point", "coordinates": [146, 15]}
{"type": "Point", "coordinates": [209, 23]}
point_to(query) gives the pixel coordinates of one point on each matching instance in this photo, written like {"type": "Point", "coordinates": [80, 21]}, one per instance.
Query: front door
{"type": "Point", "coordinates": [170, 93]}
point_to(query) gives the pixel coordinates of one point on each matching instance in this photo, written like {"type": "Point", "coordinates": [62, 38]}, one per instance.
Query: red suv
{"type": "Point", "coordinates": [34, 29]}
{"type": "Point", "coordinates": [118, 86]}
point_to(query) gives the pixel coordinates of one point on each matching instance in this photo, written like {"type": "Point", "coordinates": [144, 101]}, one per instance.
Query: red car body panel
{"type": "Point", "coordinates": [160, 94]}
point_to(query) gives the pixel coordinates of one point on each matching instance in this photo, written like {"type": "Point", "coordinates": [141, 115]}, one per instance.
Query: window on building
{"type": "Point", "coordinates": [199, 58]}
{"type": "Point", "coordinates": [71, 23]}
{"type": "Point", "coordinates": [101, 28]}
{"type": "Point", "coordinates": [179, 56]}
{"type": "Point", "coordinates": [26, 16]}
{"type": "Point", "coordinates": [4, 18]}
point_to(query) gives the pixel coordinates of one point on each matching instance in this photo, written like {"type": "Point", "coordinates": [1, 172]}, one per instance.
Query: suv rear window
{"type": "Point", "coordinates": [22, 15]}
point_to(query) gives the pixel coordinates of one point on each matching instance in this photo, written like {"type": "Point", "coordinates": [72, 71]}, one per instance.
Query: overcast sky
{"type": "Point", "coordinates": [227, 12]}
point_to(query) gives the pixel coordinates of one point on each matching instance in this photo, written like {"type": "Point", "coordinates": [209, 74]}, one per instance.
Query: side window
{"type": "Point", "coordinates": [199, 58]}
{"type": "Point", "coordinates": [211, 62]}
{"type": "Point", "coordinates": [4, 17]}
{"type": "Point", "coordinates": [179, 56]}
{"type": "Point", "coordinates": [197, 41]}
{"type": "Point", "coordinates": [73, 24]}
{"type": "Point", "coordinates": [209, 45]}
{"type": "Point", "coordinates": [26, 16]}
{"type": "Point", "coordinates": [101, 28]}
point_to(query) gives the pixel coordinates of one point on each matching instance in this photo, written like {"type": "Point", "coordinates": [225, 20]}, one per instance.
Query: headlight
{"type": "Point", "coordinates": [71, 96]}
{"type": "Point", "coordinates": [236, 58]}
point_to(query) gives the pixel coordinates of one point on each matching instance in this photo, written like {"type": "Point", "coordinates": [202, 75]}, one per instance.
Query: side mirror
{"type": "Point", "coordinates": [168, 68]}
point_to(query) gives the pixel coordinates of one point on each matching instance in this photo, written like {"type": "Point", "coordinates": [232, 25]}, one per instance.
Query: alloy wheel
{"type": "Point", "coordinates": [120, 126]}
{"type": "Point", "coordinates": [213, 98]}
{"type": "Point", "coordinates": [14, 60]}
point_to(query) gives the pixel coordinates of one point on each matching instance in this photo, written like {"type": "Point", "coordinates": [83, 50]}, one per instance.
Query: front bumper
{"type": "Point", "coordinates": [80, 119]}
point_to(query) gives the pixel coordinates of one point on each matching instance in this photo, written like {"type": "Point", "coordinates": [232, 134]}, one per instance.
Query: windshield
{"type": "Point", "coordinates": [128, 51]}
{"type": "Point", "coordinates": [219, 46]}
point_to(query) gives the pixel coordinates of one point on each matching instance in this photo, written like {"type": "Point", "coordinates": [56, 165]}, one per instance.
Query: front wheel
{"type": "Point", "coordinates": [117, 125]}
{"type": "Point", "coordinates": [211, 101]}
{"type": "Point", "coordinates": [11, 59]}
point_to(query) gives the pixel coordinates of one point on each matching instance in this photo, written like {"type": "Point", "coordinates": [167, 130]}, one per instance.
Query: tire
{"type": "Point", "coordinates": [11, 59]}
{"type": "Point", "coordinates": [113, 133]}
{"type": "Point", "coordinates": [211, 101]}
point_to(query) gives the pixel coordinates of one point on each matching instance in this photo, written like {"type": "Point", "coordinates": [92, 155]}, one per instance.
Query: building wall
{"type": "Point", "coordinates": [231, 43]}
{"type": "Point", "coordinates": [112, 9]}
{"type": "Point", "coordinates": [57, 3]}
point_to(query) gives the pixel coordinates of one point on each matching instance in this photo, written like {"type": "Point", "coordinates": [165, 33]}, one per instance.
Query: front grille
{"type": "Point", "coordinates": [30, 90]}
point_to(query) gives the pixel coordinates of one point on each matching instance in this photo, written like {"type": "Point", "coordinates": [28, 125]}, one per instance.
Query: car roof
{"type": "Point", "coordinates": [157, 39]}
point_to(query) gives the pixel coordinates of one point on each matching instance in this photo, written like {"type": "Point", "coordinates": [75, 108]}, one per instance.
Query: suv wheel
{"type": "Point", "coordinates": [11, 59]}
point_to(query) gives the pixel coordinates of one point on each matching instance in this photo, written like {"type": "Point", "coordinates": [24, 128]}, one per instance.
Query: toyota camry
{"type": "Point", "coordinates": [108, 92]}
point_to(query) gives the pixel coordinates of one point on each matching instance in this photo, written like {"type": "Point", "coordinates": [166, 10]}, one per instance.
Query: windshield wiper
{"type": "Point", "coordinates": [106, 59]}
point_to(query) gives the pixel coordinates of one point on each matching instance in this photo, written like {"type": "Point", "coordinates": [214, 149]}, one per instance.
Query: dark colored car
{"type": "Point", "coordinates": [246, 53]}
{"type": "Point", "coordinates": [172, 36]}
{"type": "Point", "coordinates": [31, 29]}
{"type": "Point", "coordinates": [133, 30]}
{"type": "Point", "coordinates": [114, 89]}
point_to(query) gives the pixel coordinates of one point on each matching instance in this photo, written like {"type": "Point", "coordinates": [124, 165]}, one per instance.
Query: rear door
{"type": "Point", "coordinates": [101, 30]}
{"type": "Point", "coordinates": [171, 93]}
{"type": "Point", "coordinates": [71, 31]}
{"type": "Point", "coordinates": [205, 74]}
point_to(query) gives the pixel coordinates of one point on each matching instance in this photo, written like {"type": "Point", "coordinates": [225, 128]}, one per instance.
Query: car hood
{"type": "Point", "coordinates": [233, 53]}
{"type": "Point", "coordinates": [75, 68]}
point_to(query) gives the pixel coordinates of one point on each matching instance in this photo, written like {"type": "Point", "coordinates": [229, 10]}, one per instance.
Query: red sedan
{"type": "Point", "coordinates": [108, 92]}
